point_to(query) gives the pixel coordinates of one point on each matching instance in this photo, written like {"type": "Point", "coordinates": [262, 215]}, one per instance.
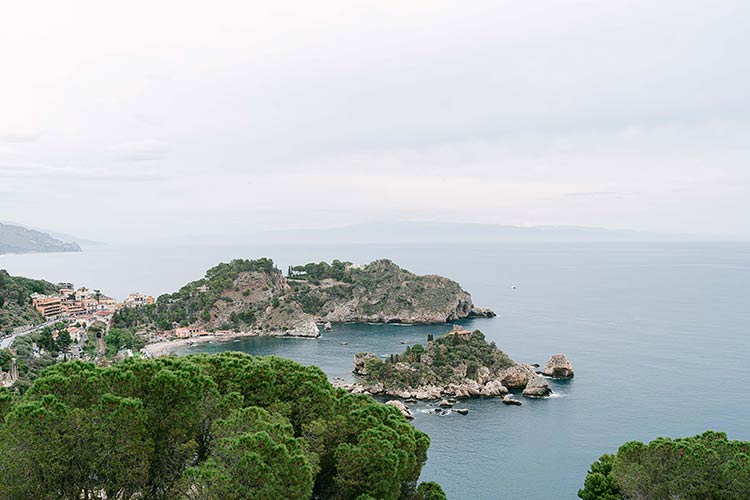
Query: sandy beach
{"type": "Point", "coordinates": [166, 347]}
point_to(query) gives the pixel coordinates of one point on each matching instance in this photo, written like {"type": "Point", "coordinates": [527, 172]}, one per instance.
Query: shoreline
{"type": "Point", "coordinates": [167, 347]}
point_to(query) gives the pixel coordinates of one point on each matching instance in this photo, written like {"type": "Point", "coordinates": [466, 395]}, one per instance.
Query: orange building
{"type": "Point", "coordinates": [48, 306]}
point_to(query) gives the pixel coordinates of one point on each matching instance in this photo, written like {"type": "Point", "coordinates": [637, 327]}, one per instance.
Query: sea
{"type": "Point", "coordinates": [658, 334]}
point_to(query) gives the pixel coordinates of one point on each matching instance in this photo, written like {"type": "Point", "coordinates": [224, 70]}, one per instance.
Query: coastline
{"type": "Point", "coordinates": [167, 347]}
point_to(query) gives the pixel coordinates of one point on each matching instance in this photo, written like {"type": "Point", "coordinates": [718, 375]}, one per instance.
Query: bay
{"type": "Point", "coordinates": [657, 333]}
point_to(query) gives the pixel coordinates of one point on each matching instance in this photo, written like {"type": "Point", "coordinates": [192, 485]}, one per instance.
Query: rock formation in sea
{"type": "Point", "coordinates": [402, 408]}
{"type": "Point", "coordinates": [458, 364]}
{"type": "Point", "coordinates": [558, 366]}
{"type": "Point", "coordinates": [537, 387]}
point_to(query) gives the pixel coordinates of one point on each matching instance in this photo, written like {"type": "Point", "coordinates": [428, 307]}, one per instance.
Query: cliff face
{"type": "Point", "coordinates": [261, 300]}
{"type": "Point", "coordinates": [17, 239]}
{"type": "Point", "coordinates": [249, 296]}
{"type": "Point", "coordinates": [382, 292]}
{"type": "Point", "coordinates": [242, 295]}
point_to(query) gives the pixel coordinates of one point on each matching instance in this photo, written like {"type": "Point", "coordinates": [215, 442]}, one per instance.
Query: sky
{"type": "Point", "coordinates": [143, 120]}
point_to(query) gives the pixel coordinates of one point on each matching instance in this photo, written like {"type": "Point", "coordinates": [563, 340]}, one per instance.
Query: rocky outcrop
{"type": "Point", "coordinates": [459, 364]}
{"type": "Point", "coordinates": [441, 370]}
{"type": "Point", "coordinates": [254, 297]}
{"type": "Point", "coordinates": [537, 387]}
{"type": "Point", "coordinates": [288, 319]}
{"type": "Point", "coordinates": [360, 362]}
{"type": "Point", "coordinates": [509, 400]}
{"type": "Point", "coordinates": [382, 292]}
{"type": "Point", "coordinates": [516, 377]}
{"type": "Point", "coordinates": [481, 312]}
{"type": "Point", "coordinates": [402, 408]}
{"type": "Point", "coordinates": [558, 366]}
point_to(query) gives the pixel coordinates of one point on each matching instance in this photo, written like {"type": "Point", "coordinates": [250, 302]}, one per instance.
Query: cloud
{"type": "Point", "coordinates": [596, 194]}
{"type": "Point", "coordinates": [80, 173]}
{"type": "Point", "coordinates": [148, 150]}
{"type": "Point", "coordinates": [292, 113]}
{"type": "Point", "coordinates": [19, 137]}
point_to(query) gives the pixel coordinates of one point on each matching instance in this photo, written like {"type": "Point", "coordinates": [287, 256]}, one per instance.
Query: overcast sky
{"type": "Point", "coordinates": [140, 120]}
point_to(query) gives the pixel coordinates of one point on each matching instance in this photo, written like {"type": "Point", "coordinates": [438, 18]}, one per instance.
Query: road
{"type": "Point", "coordinates": [22, 330]}
{"type": "Point", "coordinates": [76, 349]}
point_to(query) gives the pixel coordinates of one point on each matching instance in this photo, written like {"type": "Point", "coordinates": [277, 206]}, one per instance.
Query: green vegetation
{"type": "Point", "coordinates": [195, 301]}
{"type": "Point", "coordinates": [316, 272]}
{"type": "Point", "coordinates": [703, 467]}
{"type": "Point", "coordinates": [254, 295]}
{"type": "Point", "coordinates": [221, 427]}
{"type": "Point", "coordinates": [30, 364]}
{"type": "Point", "coordinates": [15, 301]}
{"type": "Point", "coordinates": [438, 363]}
{"type": "Point", "coordinates": [55, 338]}
{"type": "Point", "coordinates": [378, 290]}
{"type": "Point", "coordinates": [50, 341]}
{"type": "Point", "coordinates": [122, 338]}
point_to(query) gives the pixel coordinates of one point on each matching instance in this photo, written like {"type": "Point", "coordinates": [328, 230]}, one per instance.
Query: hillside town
{"type": "Point", "coordinates": [69, 303]}
{"type": "Point", "coordinates": [76, 321]}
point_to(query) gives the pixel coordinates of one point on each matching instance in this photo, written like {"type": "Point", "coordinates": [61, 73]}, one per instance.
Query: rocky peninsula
{"type": "Point", "coordinates": [18, 239]}
{"type": "Point", "coordinates": [379, 292]}
{"type": "Point", "coordinates": [459, 364]}
{"type": "Point", "coordinates": [253, 297]}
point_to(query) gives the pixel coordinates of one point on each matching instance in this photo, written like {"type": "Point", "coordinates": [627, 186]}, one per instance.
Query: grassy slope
{"type": "Point", "coordinates": [15, 304]}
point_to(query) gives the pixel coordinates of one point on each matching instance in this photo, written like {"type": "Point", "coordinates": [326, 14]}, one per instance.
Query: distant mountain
{"type": "Point", "coordinates": [441, 232]}
{"type": "Point", "coordinates": [17, 239]}
{"type": "Point", "coordinates": [64, 237]}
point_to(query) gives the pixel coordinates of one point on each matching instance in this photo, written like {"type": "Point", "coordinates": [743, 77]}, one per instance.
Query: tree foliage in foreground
{"type": "Point", "coordinates": [227, 426]}
{"type": "Point", "coordinates": [703, 467]}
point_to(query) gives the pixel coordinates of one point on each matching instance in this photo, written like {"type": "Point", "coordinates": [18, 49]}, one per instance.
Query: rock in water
{"type": "Point", "coordinates": [508, 400]}
{"type": "Point", "coordinates": [517, 376]}
{"type": "Point", "coordinates": [446, 404]}
{"type": "Point", "coordinates": [327, 327]}
{"type": "Point", "coordinates": [558, 366]}
{"type": "Point", "coordinates": [462, 411]}
{"type": "Point", "coordinates": [537, 388]}
{"type": "Point", "coordinates": [402, 408]}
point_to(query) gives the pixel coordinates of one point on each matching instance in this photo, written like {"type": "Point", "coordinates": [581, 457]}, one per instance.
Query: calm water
{"type": "Point", "coordinates": [657, 333]}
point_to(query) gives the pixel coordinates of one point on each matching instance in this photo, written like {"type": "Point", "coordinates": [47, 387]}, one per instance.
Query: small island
{"type": "Point", "coordinates": [459, 364]}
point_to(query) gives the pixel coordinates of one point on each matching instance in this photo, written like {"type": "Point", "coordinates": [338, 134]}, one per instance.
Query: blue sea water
{"type": "Point", "coordinates": [657, 333]}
